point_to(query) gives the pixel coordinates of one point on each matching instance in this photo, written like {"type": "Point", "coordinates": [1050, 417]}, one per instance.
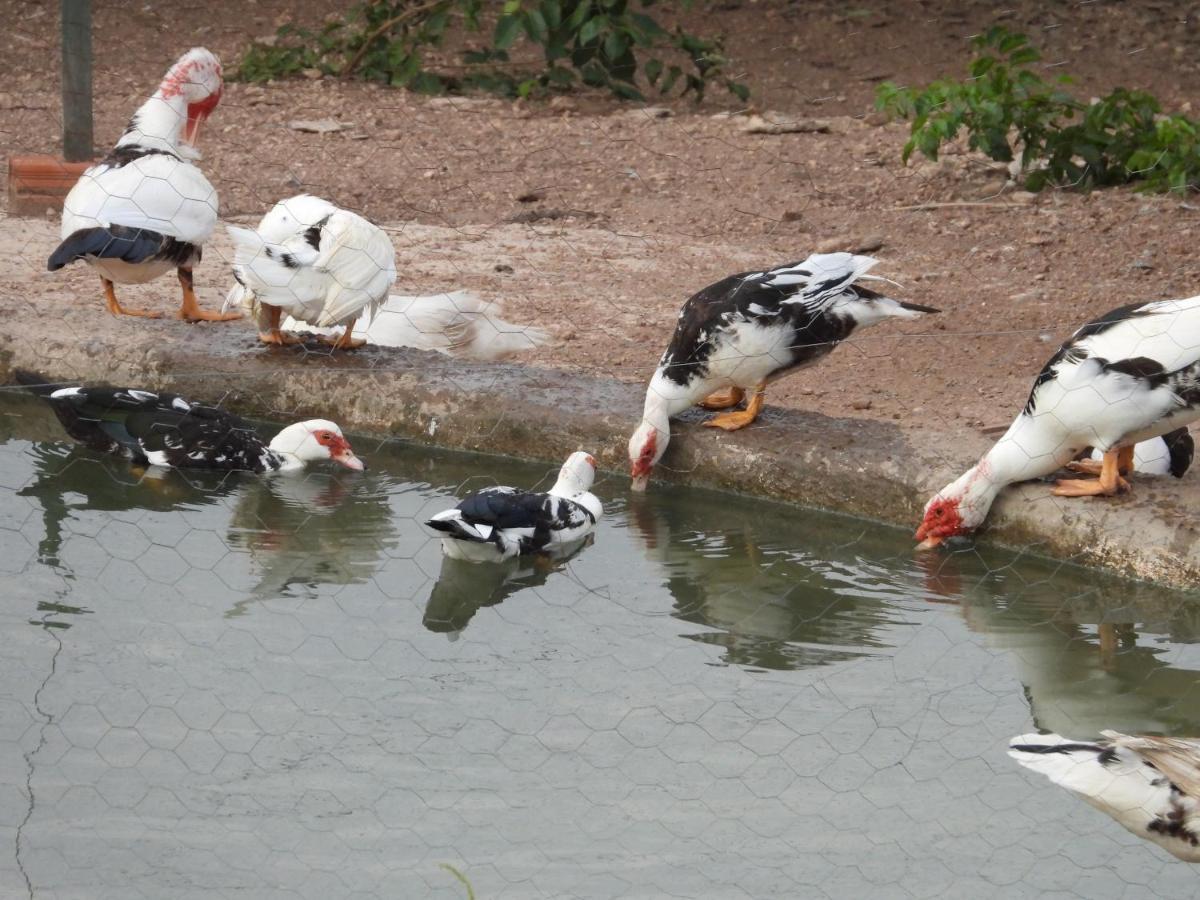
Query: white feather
{"type": "Point", "coordinates": [156, 192]}
{"type": "Point", "coordinates": [348, 275]}
{"type": "Point", "coordinates": [458, 323]}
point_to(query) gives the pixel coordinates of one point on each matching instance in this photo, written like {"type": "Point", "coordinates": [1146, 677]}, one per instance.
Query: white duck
{"type": "Point", "coordinates": [145, 208]}
{"type": "Point", "coordinates": [737, 335]}
{"type": "Point", "coordinates": [1151, 785]}
{"type": "Point", "coordinates": [458, 324]}
{"type": "Point", "coordinates": [1129, 376]}
{"type": "Point", "coordinates": [317, 263]}
{"type": "Point", "coordinates": [501, 522]}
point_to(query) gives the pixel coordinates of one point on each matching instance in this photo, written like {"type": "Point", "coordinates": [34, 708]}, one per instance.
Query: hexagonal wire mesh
{"type": "Point", "coordinates": [277, 684]}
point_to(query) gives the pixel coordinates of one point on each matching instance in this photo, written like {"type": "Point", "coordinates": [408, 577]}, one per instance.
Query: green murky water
{"type": "Point", "coordinates": [255, 687]}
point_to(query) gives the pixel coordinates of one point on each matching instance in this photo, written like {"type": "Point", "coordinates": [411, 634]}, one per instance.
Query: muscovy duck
{"type": "Point", "coordinates": [1151, 785]}
{"type": "Point", "coordinates": [746, 330]}
{"type": "Point", "coordinates": [502, 522]}
{"type": "Point", "coordinates": [161, 429]}
{"type": "Point", "coordinates": [1131, 375]}
{"type": "Point", "coordinates": [310, 260]}
{"type": "Point", "coordinates": [145, 208]}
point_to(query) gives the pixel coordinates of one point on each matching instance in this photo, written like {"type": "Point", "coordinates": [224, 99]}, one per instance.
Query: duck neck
{"type": "Point", "coordinates": [664, 400]}
{"type": "Point", "coordinates": [1029, 449]}
{"type": "Point", "coordinates": [158, 123]}
{"type": "Point", "coordinates": [283, 461]}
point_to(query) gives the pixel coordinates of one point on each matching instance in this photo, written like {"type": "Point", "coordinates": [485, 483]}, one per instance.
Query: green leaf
{"type": "Point", "coordinates": [653, 69]}
{"type": "Point", "coordinates": [591, 28]}
{"type": "Point", "coordinates": [507, 29]}
{"type": "Point", "coordinates": [739, 90]}
{"type": "Point", "coordinates": [615, 45]}
{"type": "Point", "coordinates": [535, 27]}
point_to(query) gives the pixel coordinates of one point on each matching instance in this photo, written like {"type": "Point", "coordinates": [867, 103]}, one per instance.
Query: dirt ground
{"type": "Point", "coordinates": [596, 219]}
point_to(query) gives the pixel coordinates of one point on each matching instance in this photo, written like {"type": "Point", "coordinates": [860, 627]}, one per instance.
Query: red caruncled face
{"type": "Point", "coordinates": [339, 449]}
{"type": "Point", "coordinates": [942, 520]}
{"type": "Point", "coordinates": [645, 461]}
{"type": "Point", "coordinates": [196, 114]}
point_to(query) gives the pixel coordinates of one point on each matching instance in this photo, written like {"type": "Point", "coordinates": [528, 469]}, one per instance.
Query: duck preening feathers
{"type": "Point", "coordinates": [1151, 785]}
{"type": "Point", "coordinates": [161, 429]}
{"type": "Point", "coordinates": [310, 260]}
{"type": "Point", "coordinates": [146, 208]}
{"type": "Point", "coordinates": [1129, 376]}
{"type": "Point", "coordinates": [735, 336]}
{"type": "Point", "coordinates": [502, 522]}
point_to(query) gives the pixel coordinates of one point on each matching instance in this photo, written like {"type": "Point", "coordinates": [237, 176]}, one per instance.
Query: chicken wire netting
{"type": "Point", "coordinates": [279, 685]}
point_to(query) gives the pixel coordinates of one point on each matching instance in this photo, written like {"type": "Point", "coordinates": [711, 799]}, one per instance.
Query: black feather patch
{"type": "Point", "coordinates": [286, 259]}
{"type": "Point", "coordinates": [312, 234]}
{"type": "Point", "coordinates": [1142, 367]}
{"type": "Point", "coordinates": [131, 245]}
{"type": "Point", "coordinates": [133, 423]}
{"type": "Point", "coordinates": [743, 298]}
{"type": "Point", "coordinates": [127, 153]}
{"type": "Point", "coordinates": [1181, 448]}
{"type": "Point", "coordinates": [1070, 352]}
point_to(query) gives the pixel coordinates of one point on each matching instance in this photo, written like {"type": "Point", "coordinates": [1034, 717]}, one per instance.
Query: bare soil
{"type": "Point", "coordinates": [596, 219]}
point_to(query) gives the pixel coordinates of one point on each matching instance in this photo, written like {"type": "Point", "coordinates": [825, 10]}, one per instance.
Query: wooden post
{"type": "Point", "coordinates": [77, 79]}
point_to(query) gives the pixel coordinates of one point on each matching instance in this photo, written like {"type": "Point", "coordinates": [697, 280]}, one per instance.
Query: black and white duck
{"type": "Point", "coordinates": [1151, 785]}
{"type": "Point", "coordinates": [161, 429]}
{"type": "Point", "coordinates": [739, 334]}
{"type": "Point", "coordinates": [1129, 376]}
{"type": "Point", "coordinates": [501, 522]}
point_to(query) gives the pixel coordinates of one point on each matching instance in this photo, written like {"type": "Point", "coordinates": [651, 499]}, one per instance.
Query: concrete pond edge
{"type": "Point", "coordinates": [870, 469]}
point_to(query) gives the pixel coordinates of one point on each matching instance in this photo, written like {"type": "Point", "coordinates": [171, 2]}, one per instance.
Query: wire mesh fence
{"type": "Point", "coordinates": [237, 664]}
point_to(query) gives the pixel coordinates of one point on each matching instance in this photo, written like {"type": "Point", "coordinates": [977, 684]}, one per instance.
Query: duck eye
{"type": "Point", "coordinates": [939, 511]}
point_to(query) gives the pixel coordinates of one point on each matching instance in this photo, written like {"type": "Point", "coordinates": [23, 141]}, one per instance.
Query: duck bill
{"type": "Point", "coordinates": [347, 459]}
{"type": "Point", "coordinates": [927, 541]}
{"type": "Point", "coordinates": [639, 483]}
{"type": "Point", "coordinates": [191, 131]}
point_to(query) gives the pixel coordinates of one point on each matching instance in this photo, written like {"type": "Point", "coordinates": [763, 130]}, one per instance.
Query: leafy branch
{"type": "Point", "coordinates": [599, 43]}
{"type": "Point", "coordinates": [1008, 109]}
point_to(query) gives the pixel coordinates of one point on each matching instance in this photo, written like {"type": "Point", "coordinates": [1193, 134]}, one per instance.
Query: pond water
{"type": "Point", "coordinates": [277, 687]}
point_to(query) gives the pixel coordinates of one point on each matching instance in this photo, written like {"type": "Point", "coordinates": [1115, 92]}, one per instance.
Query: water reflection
{"type": "Point", "coordinates": [1092, 652]}
{"type": "Point", "coordinates": [463, 588]}
{"type": "Point", "coordinates": [322, 528]}
{"type": "Point", "coordinates": [68, 480]}
{"type": "Point", "coordinates": [774, 602]}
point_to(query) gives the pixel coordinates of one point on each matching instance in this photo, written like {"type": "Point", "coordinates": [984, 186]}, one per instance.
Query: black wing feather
{"type": "Point", "coordinates": [749, 297]}
{"type": "Point", "coordinates": [133, 423]}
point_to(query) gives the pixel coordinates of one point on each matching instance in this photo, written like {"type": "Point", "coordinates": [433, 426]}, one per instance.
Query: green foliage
{"type": "Point", "coordinates": [1007, 108]}
{"type": "Point", "coordinates": [600, 43]}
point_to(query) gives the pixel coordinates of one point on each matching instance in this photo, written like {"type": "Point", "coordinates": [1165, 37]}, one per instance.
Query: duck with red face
{"type": "Point", "coordinates": [146, 208]}
{"type": "Point", "coordinates": [1130, 376]}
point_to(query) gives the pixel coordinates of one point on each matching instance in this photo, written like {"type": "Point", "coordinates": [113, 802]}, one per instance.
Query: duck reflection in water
{"type": "Point", "coordinates": [771, 604]}
{"type": "Point", "coordinates": [464, 587]}
{"type": "Point", "coordinates": [1091, 652]}
{"type": "Point", "coordinates": [301, 533]}
{"type": "Point", "coordinates": [71, 481]}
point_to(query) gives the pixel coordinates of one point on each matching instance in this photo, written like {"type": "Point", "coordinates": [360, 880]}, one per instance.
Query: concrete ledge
{"type": "Point", "coordinates": [873, 469]}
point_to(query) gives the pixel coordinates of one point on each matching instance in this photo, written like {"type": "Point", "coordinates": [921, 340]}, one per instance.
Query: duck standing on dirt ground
{"type": "Point", "coordinates": [314, 262]}
{"type": "Point", "coordinates": [737, 335]}
{"type": "Point", "coordinates": [145, 208]}
{"type": "Point", "coordinates": [1129, 376]}
{"type": "Point", "coordinates": [1151, 785]}
{"type": "Point", "coordinates": [501, 522]}
{"type": "Point", "coordinates": [161, 429]}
